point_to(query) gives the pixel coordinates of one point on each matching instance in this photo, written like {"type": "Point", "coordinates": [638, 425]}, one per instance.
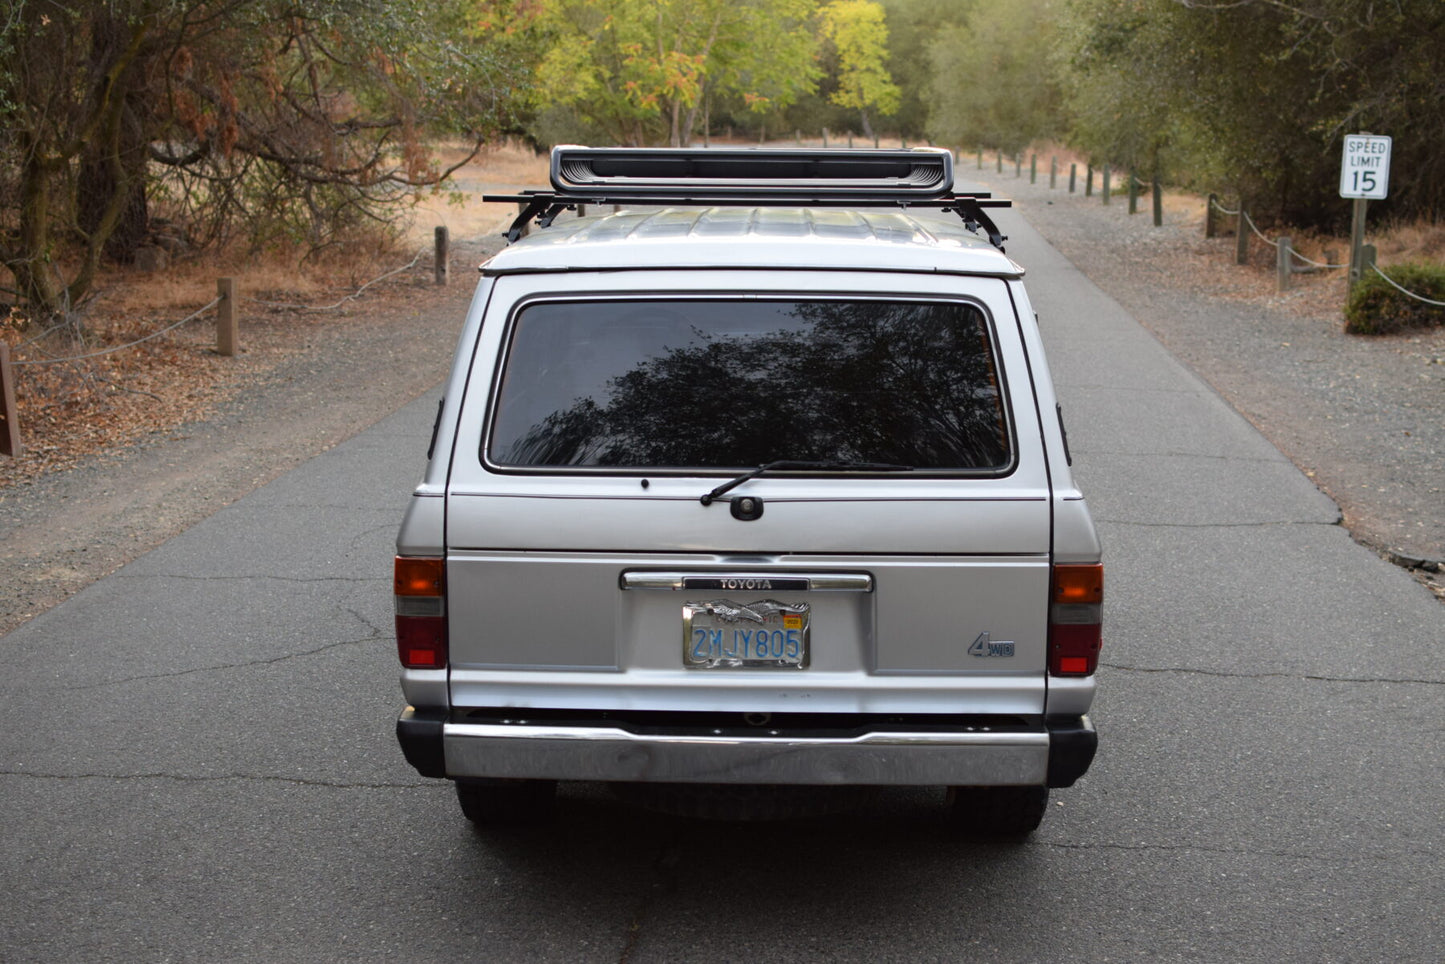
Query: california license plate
{"type": "Point", "coordinates": [722, 634]}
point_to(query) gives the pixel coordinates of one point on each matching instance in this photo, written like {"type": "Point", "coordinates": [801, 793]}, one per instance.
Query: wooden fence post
{"type": "Point", "coordinates": [980, 158]}
{"type": "Point", "coordinates": [1133, 192]}
{"type": "Point", "coordinates": [1033, 169]}
{"type": "Point", "coordinates": [1282, 265]}
{"type": "Point", "coordinates": [1107, 185]}
{"type": "Point", "coordinates": [443, 255]}
{"type": "Point", "coordinates": [1073, 174]}
{"type": "Point", "coordinates": [226, 329]}
{"type": "Point", "coordinates": [1000, 162]}
{"type": "Point", "coordinates": [1211, 228]}
{"type": "Point", "coordinates": [1053, 173]}
{"type": "Point", "coordinates": [1018, 165]}
{"type": "Point", "coordinates": [9, 417]}
{"type": "Point", "coordinates": [825, 137]}
{"type": "Point", "coordinates": [1089, 181]}
{"type": "Point", "coordinates": [1241, 237]}
{"type": "Point", "coordinates": [1158, 203]}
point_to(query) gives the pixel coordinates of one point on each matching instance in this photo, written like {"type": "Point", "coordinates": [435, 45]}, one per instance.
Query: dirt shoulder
{"type": "Point", "coordinates": [312, 381]}
{"type": "Point", "coordinates": [1363, 417]}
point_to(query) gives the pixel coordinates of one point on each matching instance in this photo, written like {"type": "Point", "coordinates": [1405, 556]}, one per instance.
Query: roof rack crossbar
{"type": "Point", "coordinates": [545, 206]}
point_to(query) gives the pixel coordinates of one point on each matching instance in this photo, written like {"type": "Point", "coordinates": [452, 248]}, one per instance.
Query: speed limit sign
{"type": "Point", "coordinates": [1365, 169]}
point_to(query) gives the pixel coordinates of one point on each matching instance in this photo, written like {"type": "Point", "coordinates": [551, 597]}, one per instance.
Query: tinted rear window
{"type": "Point", "coordinates": [730, 384]}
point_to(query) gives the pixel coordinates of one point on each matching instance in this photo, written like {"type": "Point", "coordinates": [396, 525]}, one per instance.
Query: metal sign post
{"type": "Point", "coordinates": [1364, 176]}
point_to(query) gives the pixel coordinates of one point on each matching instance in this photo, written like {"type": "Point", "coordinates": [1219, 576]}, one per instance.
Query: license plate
{"type": "Point", "coordinates": [722, 634]}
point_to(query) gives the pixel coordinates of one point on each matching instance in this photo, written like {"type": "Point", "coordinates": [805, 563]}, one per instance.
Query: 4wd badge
{"type": "Point", "coordinates": [983, 646]}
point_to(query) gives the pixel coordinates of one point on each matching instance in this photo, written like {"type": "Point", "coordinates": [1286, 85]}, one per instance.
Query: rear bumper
{"type": "Point", "coordinates": [1035, 751]}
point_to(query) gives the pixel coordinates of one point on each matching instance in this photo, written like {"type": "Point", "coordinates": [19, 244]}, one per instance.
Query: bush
{"type": "Point", "coordinates": [1378, 308]}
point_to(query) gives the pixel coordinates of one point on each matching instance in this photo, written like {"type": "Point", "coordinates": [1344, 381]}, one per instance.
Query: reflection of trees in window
{"type": "Point", "coordinates": [883, 382]}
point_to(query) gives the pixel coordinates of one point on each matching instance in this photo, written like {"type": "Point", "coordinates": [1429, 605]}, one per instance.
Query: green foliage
{"type": "Point", "coordinates": [643, 70]}
{"type": "Point", "coordinates": [991, 85]}
{"type": "Point", "coordinates": [1253, 97]}
{"type": "Point", "coordinates": [913, 25]}
{"type": "Point", "coordinates": [859, 38]}
{"type": "Point", "coordinates": [1377, 307]}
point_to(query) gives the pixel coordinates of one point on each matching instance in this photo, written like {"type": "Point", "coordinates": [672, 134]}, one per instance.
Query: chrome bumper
{"type": "Point", "coordinates": [1019, 755]}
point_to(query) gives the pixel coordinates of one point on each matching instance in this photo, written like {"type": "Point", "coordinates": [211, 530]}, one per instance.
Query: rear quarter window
{"type": "Point", "coordinates": [722, 384]}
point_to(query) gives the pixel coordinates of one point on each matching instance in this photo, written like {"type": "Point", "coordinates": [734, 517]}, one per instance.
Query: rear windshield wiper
{"type": "Point", "coordinates": [794, 465]}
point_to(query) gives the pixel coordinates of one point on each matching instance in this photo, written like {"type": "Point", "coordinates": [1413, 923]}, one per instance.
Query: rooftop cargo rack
{"type": "Point", "coordinates": [920, 177]}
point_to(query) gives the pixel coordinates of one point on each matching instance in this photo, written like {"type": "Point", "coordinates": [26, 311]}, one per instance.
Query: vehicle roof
{"type": "Point", "coordinates": [761, 237]}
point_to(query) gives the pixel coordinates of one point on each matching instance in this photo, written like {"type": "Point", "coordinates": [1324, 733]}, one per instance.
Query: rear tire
{"type": "Point", "coordinates": [507, 802]}
{"type": "Point", "coordinates": [997, 812]}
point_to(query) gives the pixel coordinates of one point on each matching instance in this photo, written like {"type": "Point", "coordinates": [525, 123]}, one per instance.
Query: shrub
{"type": "Point", "coordinates": [1378, 308]}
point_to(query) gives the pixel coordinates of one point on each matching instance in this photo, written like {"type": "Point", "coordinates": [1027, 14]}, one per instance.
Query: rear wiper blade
{"type": "Point", "coordinates": [795, 465]}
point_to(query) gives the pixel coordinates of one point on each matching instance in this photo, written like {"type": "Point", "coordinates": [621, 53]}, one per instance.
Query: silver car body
{"type": "Point", "coordinates": [567, 592]}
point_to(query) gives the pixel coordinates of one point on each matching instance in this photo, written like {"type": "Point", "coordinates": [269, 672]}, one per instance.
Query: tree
{"type": "Point", "coordinates": [1254, 97]}
{"type": "Point", "coordinates": [303, 117]}
{"type": "Point", "coordinates": [913, 26]}
{"type": "Point", "coordinates": [991, 85]}
{"type": "Point", "coordinates": [859, 36]}
{"type": "Point", "coordinates": [642, 68]}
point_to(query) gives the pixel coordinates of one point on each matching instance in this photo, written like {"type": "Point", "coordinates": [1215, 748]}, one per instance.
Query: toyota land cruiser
{"type": "Point", "coordinates": [751, 485]}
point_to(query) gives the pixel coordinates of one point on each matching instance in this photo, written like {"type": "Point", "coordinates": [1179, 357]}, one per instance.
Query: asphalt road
{"type": "Point", "coordinates": [197, 762]}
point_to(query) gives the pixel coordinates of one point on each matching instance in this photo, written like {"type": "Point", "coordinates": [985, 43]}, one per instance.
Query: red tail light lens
{"type": "Point", "coordinates": [421, 612]}
{"type": "Point", "coordinates": [1076, 603]}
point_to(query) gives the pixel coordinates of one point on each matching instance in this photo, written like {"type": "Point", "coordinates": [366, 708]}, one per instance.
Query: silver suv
{"type": "Point", "coordinates": [754, 487]}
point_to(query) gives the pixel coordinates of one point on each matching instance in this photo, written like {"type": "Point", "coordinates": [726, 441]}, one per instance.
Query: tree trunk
{"type": "Point", "coordinates": [35, 277]}
{"type": "Point", "coordinates": [691, 120]}
{"type": "Point", "coordinates": [113, 165]}
{"type": "Point", "coordinates": [867, 127]}
{"type": "Point", "coordinates": [99, 186]}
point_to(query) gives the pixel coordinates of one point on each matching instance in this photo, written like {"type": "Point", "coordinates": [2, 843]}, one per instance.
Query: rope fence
{"type": "Point", "coordinates": [1286, 258]}
{"type": "Point", "coordinates": [1288, 255]}
{"type": "Point", "coordinates": [351, 297]}
{"type": "Point", "coordinates": [227, 335]}
{"type": "Point", "coordinates": [1396, 286]}
{"type": "Point", "coordinates": [116, 348]}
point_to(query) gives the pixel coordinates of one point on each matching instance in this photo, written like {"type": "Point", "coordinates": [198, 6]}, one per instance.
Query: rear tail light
{"type": "Point", "coordinates": [421, 611]}
{"type": "Point", "coordinates": [1076, 603]}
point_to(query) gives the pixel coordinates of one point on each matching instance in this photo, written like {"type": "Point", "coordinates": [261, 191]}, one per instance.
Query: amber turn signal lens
{"type": "Point", "coordinates": [420, 576]}
{"type": "Point", "coordinates": [1079, 583]}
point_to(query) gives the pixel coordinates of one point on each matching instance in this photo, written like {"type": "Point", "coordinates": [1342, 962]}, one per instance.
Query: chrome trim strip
{"type": "Point", "coordinates": [817, 582]}
{"type": "Point", "coordinates": [555, 752]}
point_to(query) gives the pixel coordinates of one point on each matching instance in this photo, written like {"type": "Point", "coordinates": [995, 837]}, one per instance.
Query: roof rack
{"type": "Point", "coordinates": [920, 177]}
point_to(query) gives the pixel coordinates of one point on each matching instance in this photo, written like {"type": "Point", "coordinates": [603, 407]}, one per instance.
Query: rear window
{"type": "Point", "coordinates": [719, 384]}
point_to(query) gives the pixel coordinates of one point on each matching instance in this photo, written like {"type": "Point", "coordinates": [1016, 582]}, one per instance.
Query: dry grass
{"type": "Point", "coordinates": [69, 410]}
{"type": "Point", "coordinates": [1420, 241]}
{"type": "Point", "coordinates": [505, 168]}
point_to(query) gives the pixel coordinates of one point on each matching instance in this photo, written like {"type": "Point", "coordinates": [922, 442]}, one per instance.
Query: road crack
{"type": "Point", "coordinates": [1342, 860]}
{"type": "Point", "coordinates": [1186, 670]}
{"type": "Point", "coordinates": [224, 666]}
{"type": "Point", "coordinates": [218, 778]}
